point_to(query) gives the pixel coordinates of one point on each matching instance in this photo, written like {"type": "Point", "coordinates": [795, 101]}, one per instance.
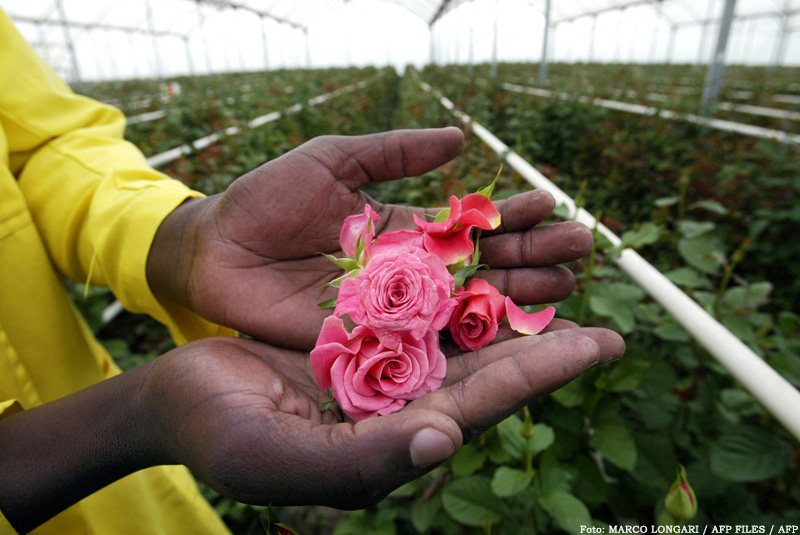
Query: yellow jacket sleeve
{"type": "Point", "coordinates": [96, 202]}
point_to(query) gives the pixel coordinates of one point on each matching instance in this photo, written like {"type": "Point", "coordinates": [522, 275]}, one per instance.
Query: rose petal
{"type": "Point", "coordinates": [479, 211]}
{"type": "Point", "coordinates": [525, 323]}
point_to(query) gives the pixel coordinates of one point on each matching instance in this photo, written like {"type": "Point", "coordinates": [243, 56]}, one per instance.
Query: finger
{"type": "Point", "coordinates": [530, 286]}
{"type": "Point", "coordinates": [540, 246]}
{"type": "Point", "coordinates": [611, 347]}
{"type": "Point", "coordinates": [360, 160]}
{"type": "Point", "coordinates": [523, 211]}
{"type": "Point", "coordinates": [528, 368]}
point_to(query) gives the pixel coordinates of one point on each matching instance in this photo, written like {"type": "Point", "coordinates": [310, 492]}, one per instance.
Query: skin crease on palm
{"type": "Point", "coordinates": [244, 414]}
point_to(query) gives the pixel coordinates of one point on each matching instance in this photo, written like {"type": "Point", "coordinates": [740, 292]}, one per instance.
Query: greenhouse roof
{"type": "Point", "coordinates": [56, 27]}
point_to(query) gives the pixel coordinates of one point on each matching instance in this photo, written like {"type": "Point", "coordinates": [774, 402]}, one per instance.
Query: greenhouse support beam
{"type": "Point", "coordinates": [200, 24]}
{"type": "Point", "coordinates": [76, 72]}
{"type": "Point", "coordinates": [264, 43]}
{"type": "Point", "coordinates": [717, 124]}
{"type": "Point", "coordinates": [156, 51]}
{"type": "Point", "coordinates": [93, 26]}
{"type": "Point", "coordinates": [717, 67]}
{"type": "Point", "coordinates": [659, 6]}
{"type": "Point", "coordinates": [545, 39]}
{"type": "Point", "coordinates": [780, 44]}
{"type": "Point", "coordinates": [671, 45]}
{"type": "Point", "coordinates": [189, 62]}
{"type": "Point", "coordinates": [494, 40]}
{"type": "Point", "coordinates": [774, 392]}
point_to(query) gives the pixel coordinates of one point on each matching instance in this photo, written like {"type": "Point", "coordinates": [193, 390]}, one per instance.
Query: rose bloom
{"type": "Point", "coordinates": [372, 375]}
{"type": "Point", "coordinates": [406, 291]}
{"type": "Point", "coordinates": [358, 227]}
{"type": "Point", "coordinates": [451, 239]}
{"type": "Point", "coordinates": [474, 322]}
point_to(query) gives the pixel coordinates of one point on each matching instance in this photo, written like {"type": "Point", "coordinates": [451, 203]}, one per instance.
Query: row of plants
{"type": "Point", "coordinates": [704, 207]}
{"type": "Point", "coordinates": [674, 87]}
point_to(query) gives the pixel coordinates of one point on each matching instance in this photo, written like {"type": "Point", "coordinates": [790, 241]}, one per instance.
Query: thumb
{"type": "Point", "coordinates": [352, 466]}
{"type": "Point", "coordinates": [390, 155]}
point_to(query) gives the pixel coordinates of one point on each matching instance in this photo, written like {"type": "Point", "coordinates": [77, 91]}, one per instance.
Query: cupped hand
{"type": "Point", "coordinates": [245, 417]}
{"type": "Point", "coordinates": [248, 258]}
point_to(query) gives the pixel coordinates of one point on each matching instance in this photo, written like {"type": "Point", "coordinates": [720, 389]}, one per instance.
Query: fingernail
{"type": "Point", "coordinates": [430, 446]}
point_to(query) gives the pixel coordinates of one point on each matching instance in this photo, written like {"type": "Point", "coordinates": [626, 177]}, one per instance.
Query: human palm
{"type": "Point", "coordinates": [246, 416]}
{"type": "Point", "coordinates": [253, 261]}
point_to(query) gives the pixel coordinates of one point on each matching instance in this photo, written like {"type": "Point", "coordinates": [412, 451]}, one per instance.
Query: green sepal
{"type": "Point", "coordinates": [487, 191]}
{"type": "Point", "coordinates": [330, 303]}
{"type": "Point", "coordinates": [466, 272]}
{"type": "Point", "coordinates": [442, 216]}
{"type": "Point", "coordinates": [338, 281]}
{"type": "Point", "coordinates": [346, 263]}
{"type": "Point", "coordinates": [325, 405]}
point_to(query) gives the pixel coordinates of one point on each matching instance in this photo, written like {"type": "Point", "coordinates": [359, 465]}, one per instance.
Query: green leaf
{"type": "Point", "coordinates": [509, 431]}
{"type": "Point", "coordinates": [442, 216]}
{"type": "Point", "coordinates": [704, 254]}
{"type": "Point", "coordinates": [543, 438]}
{"type": "Point", "coordinates": [695, 229]}
{"type": "Point", "coordinates": [672, 332]}
{"type": "Point", "coordinates": [616, 444]}
{"type": "Point", "coordinates": [747, 297]}
{"type": "Point", "coordinates": [749, 453]}
{"type": "Point", "coordinates": [688, 278]}
{"type": "Point", "coordinates": [665, 201]}
{"type": "Point", "coordinates": [470, 501]}
{"type": "Point", "coordinates": [626, 375]}
{"type": "Point", "coordinates": [468, 459]}
{"type": "Point", "coordinates": [509, 481]}
{"type": "Point", "coordinates": [466, 272]}
{"type": "Point", "coordinates": [617, 311]}
{"type": "Point", "coordinates": [570, 395]}
{"type": "Point", "coordinates": [568, 511]}
{"type": "Point", "coordinates": [562, 211]}
{"type": "Point", "coordinates": [487, 191]}
{"type": "Point", "coordinates": [330, 303]}
{"type": "Point", "coordinates": [346, 263]}
{"type": "Point", "coordinates": [423, 514]}
{"type": "Point", "coordinates": [711, 206]}
{"type": "Point", "coordinates": [642, 235]}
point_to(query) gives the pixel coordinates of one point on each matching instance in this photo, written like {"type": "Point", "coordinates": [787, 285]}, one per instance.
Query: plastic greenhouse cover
{"type": "Point", "coordinates": [107, 39]}
{"type": "Point", "coordinates": [181, 16]}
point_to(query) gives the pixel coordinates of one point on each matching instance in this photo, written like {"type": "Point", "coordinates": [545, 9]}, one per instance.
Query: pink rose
{"type": "Point", "coordinates": [371, 375]}
{"type": "Point", "coordinates": [405, 291]}
{"type": "Point", "coordinates": [450, 240]}
{"type": "Point", "coordinates": [475, 320]}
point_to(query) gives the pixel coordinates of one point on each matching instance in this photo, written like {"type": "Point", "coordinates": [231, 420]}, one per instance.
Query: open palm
{"type": "Point", "coordinates": [245, 416]}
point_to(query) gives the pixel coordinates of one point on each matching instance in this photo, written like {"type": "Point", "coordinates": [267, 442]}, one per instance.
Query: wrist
{"type": "Point", "coordinates": [174, 247]}
{"type": "Point", "coordinates": [58, 453]}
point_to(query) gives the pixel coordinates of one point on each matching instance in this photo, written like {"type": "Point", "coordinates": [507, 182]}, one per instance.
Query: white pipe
{"type": "Point", "coordinates": [777, 395]}
{"type": "Point", "coordinates": [718, 124]}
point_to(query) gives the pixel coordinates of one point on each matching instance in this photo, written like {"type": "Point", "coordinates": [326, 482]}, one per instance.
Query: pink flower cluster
{"type": "Point", "coordinates": [400, 291]}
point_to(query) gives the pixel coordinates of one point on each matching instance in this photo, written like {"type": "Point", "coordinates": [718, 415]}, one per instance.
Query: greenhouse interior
{"type": "Point", "coordinates": [670, 129]}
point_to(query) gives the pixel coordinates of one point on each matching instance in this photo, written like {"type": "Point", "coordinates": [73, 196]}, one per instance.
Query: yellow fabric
{"type": "Point", "coordinates": [74, 194]}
